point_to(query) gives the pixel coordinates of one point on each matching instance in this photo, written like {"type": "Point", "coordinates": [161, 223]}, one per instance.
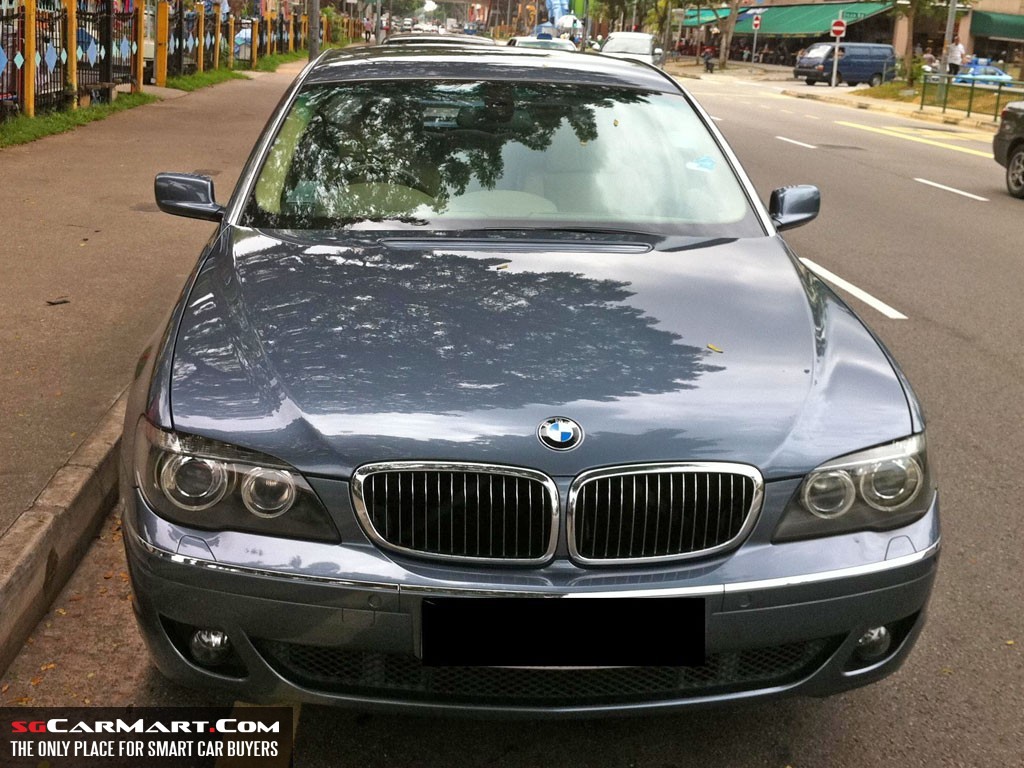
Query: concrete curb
{"type": "Point", "coordinates": [41, 550]}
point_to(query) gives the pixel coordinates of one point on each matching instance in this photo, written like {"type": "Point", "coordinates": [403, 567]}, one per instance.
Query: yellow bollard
{"type": "Point", "coordinates": [216, 37]}
{"type": "Point", "coordinates": [28, 71]}
{"type": "Point", "coordinates": [255, 46]}
{"type": "Point", "coordinates": [231, 42]}
{"type": "Point", "coordinates": [71, 41]}
{"type": "Point", "coordinates": [201, 34]}
{"type": "Point", "coordinates": [163, 29]}
{"type": "Point", "coordinates": [291, 34]}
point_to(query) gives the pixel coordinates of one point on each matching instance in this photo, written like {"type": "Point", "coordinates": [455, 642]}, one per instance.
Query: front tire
{"type": "Point", "coordinates": [1015, 173]}
{"type": "Point", "coordinates": [810, 81]}
{"type": "Point", "coordinates": [876, 80]}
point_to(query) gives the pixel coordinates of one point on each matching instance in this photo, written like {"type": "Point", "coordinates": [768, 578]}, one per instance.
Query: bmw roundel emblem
{"type": "Point", "coordinates": [560, 434]}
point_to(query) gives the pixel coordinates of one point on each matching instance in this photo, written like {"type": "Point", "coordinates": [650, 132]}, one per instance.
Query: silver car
{"type": "Point", "coordinates": [638, 46]}
{"type": "Point", "coordinates": [496, 390]}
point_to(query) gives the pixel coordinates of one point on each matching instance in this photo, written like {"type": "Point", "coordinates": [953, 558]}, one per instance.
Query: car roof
{"type": "Point", "coordinates": [438, 38]}
{"type": "Point", "coordinates": [509, 63]}
{"type": "Point", "coordinates": [630, 34]}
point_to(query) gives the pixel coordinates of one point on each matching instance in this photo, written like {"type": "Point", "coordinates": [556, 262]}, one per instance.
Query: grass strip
{"type": "Point", "coordinates": [205, 79]}
{"type": "Point", "coordinates": [22, 129]}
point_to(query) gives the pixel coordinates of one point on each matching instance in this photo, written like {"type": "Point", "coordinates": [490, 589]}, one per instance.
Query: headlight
{"type": "Point", "coordinates": [209, 485]}
{"type": "Point", "coordinates": [878, 489]}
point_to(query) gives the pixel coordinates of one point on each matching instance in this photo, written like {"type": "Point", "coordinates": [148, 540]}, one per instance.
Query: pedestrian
{"type": "Point", "coordinates": [956, 56]}
{"type": "Point", "coordinates": [929, 59]}
{"type": "Point", "coordinates": [367, 28]}
{"type": "Point", "coordinates": [709, 59]}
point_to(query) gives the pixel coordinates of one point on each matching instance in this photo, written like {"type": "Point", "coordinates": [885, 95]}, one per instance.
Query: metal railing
{"type": "Point", "coordinates": [52, 55]}
{"type": "Point", "coordinates": [969, 95]}
{"type": "Point", "coordinates": [12, 58]}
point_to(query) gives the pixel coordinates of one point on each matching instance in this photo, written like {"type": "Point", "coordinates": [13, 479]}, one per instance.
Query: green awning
{"type": "Point", "coordinates": [806, 20]}
{"type": "Point", "coordinates": [1001, 26]}
{"type": "Point", "coordinates": [706, 16]}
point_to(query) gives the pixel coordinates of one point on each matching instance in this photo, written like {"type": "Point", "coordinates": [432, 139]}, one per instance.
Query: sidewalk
{"type": "Point", "coordinates": [89, 271]}
{"type": "Point", "coordinates": [851, 97]}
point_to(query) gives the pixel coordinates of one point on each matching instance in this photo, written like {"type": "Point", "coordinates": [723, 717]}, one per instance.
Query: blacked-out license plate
{"type": "Point", "coordinates": [563, 632]}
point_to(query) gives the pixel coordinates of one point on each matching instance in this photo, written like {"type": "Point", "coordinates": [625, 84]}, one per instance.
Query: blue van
{"type": "Point", "coordinates": [872, 63]}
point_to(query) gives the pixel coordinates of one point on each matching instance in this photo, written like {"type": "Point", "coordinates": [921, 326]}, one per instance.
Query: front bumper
{"type": "Point", "coordinates": [308, 630]}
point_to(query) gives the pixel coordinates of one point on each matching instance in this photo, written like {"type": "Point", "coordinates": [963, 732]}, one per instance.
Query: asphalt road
{"type": "Point", "coordinates": [945, 261]}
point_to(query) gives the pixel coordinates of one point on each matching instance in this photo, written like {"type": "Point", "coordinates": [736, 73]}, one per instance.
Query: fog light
{"type": "Point", "coordinates": [874, 644]}
{"type": "Point", "coordinates": [210, 647]}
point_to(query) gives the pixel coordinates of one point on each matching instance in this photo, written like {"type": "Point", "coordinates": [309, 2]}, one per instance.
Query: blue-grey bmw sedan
{"type": "Point", "coordinates": [496, 391]}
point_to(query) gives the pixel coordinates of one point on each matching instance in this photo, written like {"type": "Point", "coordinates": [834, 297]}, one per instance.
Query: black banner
{"type": "Point", "coordinates": [146, 737]}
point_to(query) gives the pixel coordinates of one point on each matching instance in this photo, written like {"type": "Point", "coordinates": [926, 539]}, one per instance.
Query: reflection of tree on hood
{"type": "Point", "coordinates": [422, 332]}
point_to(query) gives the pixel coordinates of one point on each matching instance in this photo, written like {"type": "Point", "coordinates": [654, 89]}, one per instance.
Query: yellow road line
{"type": "Point", "coordinates": [905, 137]}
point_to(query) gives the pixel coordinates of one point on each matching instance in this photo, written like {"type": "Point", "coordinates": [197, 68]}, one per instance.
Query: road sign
{"type": "Point", "coordinates": [838, 28]}
{"type": "Point", "coordinates": [757, 21]}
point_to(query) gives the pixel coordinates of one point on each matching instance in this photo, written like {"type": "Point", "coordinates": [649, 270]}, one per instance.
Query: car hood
{"type": "Point", "coordinates": [332, 353]}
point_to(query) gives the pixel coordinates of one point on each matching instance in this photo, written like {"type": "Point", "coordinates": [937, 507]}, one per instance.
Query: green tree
{"type": "Point", "coordinates": [912, 9]}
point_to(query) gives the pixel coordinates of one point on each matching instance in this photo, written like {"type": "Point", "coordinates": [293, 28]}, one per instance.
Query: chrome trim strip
{"type": "Point", "coordinates": [754, 508]}
{"type": "Point", "coordinates": [842, 573]}
{"type": "Point", "coordinates": [418, 589]}
{"type": "Point", "coordinates": [360, 475]}
{"type": "Point", "coordinates": [248, 570]}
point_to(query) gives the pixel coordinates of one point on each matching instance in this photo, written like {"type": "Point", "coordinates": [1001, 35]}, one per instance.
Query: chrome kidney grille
{"type": "Point", "coordinates": [661, 512]}
{"type": "Point", "coordinates": [461, 512]}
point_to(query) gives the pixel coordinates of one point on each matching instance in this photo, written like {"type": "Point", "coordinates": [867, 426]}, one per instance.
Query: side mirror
{"type": "Point", "coordinates": [658, 52]}
{"type": "Point", "coordinates": [185, 194]}
{"type": "Point", "coordinates": [794, 206]}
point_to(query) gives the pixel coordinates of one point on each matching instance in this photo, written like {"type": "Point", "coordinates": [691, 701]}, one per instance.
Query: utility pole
{"type": "Point", "coordinates": [313, 18]}
{"type": "Point", "coordinates": [950, 22]}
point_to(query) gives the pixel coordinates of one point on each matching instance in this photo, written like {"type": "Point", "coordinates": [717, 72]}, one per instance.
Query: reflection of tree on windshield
{"type": "Point", "coordinates": [383, 150]}
{"type": "Point", "coordinates": [365, 330]}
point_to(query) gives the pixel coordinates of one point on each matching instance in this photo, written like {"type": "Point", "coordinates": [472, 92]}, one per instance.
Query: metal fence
{"type": "Point", "coordinates": [106, 48]}
{"type": "Point", "coordinates": [51, 60]}
{"type": "Point", "coordinates": [183, 45]}
{"type": "Point", "coordinates": [12, 59]}
{"type": "Point", "coordinates": [970, 96]}
{"type": "Point", "coordinates": [209, 37]}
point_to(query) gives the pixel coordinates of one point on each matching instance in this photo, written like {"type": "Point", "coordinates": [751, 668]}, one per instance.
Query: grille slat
{"type": "Point", "coordinates": [467, 512]}
{"type": "Point", "coordinates": [693, 509]}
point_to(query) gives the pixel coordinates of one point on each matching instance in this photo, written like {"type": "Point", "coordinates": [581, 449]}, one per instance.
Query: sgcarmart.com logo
{"type": "Point", "coordinates": [223, 725]}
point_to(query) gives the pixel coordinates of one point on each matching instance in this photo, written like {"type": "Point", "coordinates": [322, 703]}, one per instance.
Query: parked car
{"type": "Point", "coordinates": [1008, 147]}
{"type": "Point", "coordinates": [457, 353]}
{"type": "Point", "coordinates": [550, 43]}
{"type": "Point", "coordinates": [858, 63]}
{"type": "Point", "coordinates": [639, 46]}
{"type": "Point", "coordinates": [982, 73]}
{"type": "Point", "coordinates": [438, 39]}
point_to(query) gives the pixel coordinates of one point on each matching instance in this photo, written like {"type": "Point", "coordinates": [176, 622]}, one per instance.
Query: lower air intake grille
{"type": "Point", "coordinates": [368, 673]}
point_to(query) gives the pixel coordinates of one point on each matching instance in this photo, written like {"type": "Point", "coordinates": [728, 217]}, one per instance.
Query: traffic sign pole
{"type": "Point", "coordinates": [757, 25]}
{"type": "Point", "coordinates": [838, 32]}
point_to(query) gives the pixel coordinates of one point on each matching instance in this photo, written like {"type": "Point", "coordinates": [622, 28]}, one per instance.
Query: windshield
{"type": "Point", "coordinates": [472, 155]}
{"type": "Point", "coordinates": [641, 45]}
{"type": "Point", "coordinates": [819, 51]}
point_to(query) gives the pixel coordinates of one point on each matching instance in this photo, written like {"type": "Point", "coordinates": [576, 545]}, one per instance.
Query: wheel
{"type": "Point", "coordinates": [810, 81]}
{"type": "Point", "coordinates": [1015, 173]}
{"type": "Point", "coordinates": [876, 80]}
{"type": "Point", "coordinates": [839, 78]}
